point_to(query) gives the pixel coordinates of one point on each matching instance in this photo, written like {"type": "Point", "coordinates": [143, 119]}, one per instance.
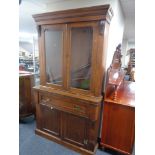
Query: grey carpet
{"type": "Point", "coordinates": [31, 144]}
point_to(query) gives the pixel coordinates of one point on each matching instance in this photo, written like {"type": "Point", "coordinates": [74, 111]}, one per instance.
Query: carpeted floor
{"type": "Point", "coordinates": [31, 144]}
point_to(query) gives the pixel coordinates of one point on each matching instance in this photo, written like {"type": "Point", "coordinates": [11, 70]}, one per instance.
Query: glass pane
{"type": "Point", "coordinates": [81, 50]}
{"type": "Point", "coordinates": [53, 49]}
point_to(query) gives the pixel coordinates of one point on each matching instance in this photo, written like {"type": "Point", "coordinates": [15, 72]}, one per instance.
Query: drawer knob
{"type": "Point", "coordinates": [51, 108]}
{"type": "Point", "coordinates": [76, 107]}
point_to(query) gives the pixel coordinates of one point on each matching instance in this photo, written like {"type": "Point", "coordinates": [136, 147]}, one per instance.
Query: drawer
{"type": "Point", "coordinates": [64, 104]}
{"type": "Point", "coordinates": [67, 104]}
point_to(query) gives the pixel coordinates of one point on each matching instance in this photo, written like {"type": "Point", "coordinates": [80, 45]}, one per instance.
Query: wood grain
{"type": "Point", "coordinates": [118, 125]}
{"type": "Point", "coordinates": [67, 115]}
{"type": "Point", "coordinates": [26, 100]}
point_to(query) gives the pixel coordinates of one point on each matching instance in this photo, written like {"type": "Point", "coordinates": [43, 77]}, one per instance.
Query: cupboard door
{"type": "Point", "coordinates": [74, 129]}
{"type": "Point", "coordinates": [82, 42]}
{"type": "Point", "coordinates": [54, 38]}
{"type": "Point", "coordinates": [48, 119]}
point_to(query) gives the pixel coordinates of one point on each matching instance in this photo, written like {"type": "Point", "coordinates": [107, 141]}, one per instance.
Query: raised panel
{"type": "Point", "coordinates": [75, 129]}
{"type": "Point", "coordinates": [49, 119]}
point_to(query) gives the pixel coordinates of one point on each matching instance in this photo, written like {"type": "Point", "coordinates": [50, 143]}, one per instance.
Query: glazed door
{"type": "Point", "coordinates": [52, 55]}
{"type": "Point", "coordinates": [48, 119]}
{"type": "Point", "coordinates": [74, 129]}
{"type": "Point", "coordinates": [82, 48]}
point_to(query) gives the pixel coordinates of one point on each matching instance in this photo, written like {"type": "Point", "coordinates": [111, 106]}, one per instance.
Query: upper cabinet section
{"type": "Point", "coordinates": [72, 46]}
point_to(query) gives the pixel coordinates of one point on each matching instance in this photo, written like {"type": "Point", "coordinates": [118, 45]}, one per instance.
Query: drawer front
{"type": "Point", "coordinates": [74, 106]}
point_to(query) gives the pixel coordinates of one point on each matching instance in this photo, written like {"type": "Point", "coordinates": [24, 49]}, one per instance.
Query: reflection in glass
{"type": "Point", "coordinates": [81, 50]}
{"type": "Point", "coordinates": [53, 49]}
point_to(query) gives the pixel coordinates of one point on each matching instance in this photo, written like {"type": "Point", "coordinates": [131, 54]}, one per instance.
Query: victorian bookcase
{"type": "Point", "coordinates": [72, 53]}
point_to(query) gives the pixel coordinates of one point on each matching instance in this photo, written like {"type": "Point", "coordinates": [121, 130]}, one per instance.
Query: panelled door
{"type": "Point", "coordinates": [48, 119]}
{"type": "Point", "coordinates": [74, 129]}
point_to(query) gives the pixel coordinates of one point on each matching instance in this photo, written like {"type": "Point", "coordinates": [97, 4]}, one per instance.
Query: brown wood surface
{"type": "Point", "coordinates": [61, 116]}
{"type": "Point", "coordinates": [71, 105]}
{"type": "Point", "coordinates": [26, 104]}
{"type": "Point", "coordinates": [118, 125]}
{"type": "Point", "coordinates": [67, 115]}
{"type": "Point", "coordinates": [71, 131]}
{"type": "Point", "coordinates": [125, 94]}
{"type": "Point", "coordinates": [103, 12]}
{"type": "Point", "coordinates": [49, 119]}
{"type": "Point", "coordinates": [101, 56]}
{"type": "Point", "coordinates": [92, 99]}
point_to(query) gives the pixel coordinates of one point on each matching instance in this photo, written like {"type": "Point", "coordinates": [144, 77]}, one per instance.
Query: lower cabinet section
{"type": "Point", "coordinates": [74, 131]}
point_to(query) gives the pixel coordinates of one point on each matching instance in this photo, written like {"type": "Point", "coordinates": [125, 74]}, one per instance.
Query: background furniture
{"type": "Point", "coordinates": [26, 105]}
{"type": "Point", "coordinates": [118, 119]}
{"type": "Point", "coordinates": [72, 46]}
{"type": "Point", "coordinates": [131, 64]}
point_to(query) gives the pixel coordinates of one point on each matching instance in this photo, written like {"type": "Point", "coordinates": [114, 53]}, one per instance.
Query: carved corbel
{"type": "Point", "coordinates": [101, 27]}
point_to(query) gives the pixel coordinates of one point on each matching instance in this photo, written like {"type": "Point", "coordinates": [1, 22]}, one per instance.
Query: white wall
{"type": "Point", "coordinates": [131, 45]}
{"type": "Point", "coordinates": [116, 26]}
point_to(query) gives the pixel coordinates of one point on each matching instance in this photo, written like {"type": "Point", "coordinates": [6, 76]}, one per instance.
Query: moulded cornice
{"type": "Point", "coordinates": [101, 12]}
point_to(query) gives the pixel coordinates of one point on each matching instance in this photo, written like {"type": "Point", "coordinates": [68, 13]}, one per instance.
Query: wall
{"type": "Point", "coordinates": [131, 45]}
{"type": "Point", "coordinates": [27, 46]}
{"type": "Point", "coordinates": [116, 26]}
